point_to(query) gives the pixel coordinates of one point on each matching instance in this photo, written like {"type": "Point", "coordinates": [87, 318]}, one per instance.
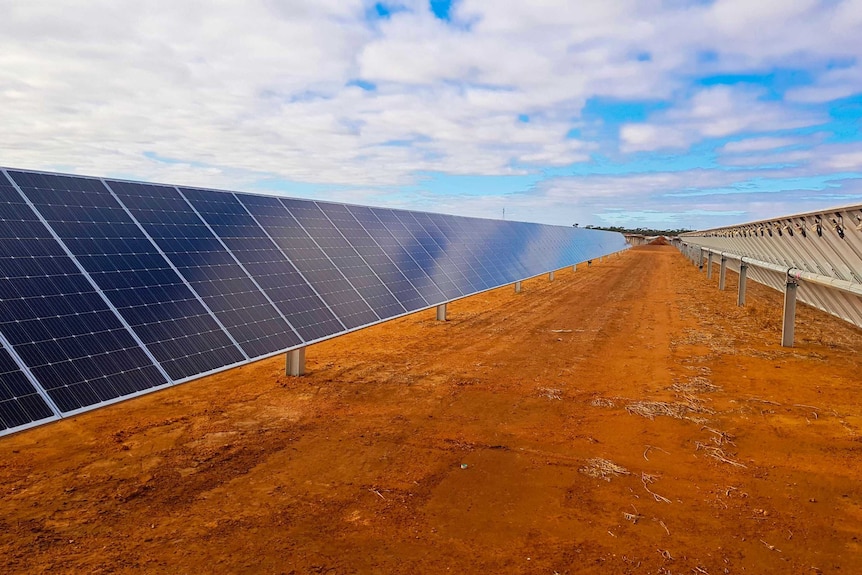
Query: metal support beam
{"type": "Point", "coordinates": [575, 268]}
{"type": "Point", "coordinates": [441, 312]}
{"type": "Point", "coordinates": [788, 323]}
{"type": "Point", "coordinates": [722, 273]}
{"type": "Point", "coordinates": [743, 274]}
{"type": "Point", "coordinates": [709, 266]}
{"type": "Point", "coordinates": [517, 287]}
{"type": "Point", "coordinates": [589, 263]}
{"type": "Point", "coordinates": [295, 362]}
{"type": "Point", "coordinates": [700, 259]}
{"type": "Point", "coordinates": [550, 276]}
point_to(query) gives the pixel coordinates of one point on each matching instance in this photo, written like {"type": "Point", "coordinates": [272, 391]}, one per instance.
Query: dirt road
{"type": "Point", "coordinates": [624, 418]}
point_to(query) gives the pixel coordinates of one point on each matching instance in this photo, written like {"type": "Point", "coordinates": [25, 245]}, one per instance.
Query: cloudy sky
{"type": "Point", "coordinates": [642, 113]}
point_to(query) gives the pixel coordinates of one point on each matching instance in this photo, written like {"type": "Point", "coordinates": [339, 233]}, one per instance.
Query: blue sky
{"type": "Point", "coordinates": [658, 113]}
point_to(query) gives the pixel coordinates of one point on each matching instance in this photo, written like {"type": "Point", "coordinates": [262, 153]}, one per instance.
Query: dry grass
{"type": "Point", "coordinates": [602, 402]}
{"type": "Point", "coordinates": [677, 410]}
{"type": "Point", "coordinates": [603, 469]}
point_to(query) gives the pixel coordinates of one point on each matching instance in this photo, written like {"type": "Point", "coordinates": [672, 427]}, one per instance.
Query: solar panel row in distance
{"type": "Point", "coordinates": [112, 288]}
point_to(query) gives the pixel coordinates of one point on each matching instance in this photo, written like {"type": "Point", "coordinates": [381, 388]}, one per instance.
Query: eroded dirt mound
{"type": "Point", "coordinates": [624, 418]}
{"type": "Point", "coordinates": [659, 241]}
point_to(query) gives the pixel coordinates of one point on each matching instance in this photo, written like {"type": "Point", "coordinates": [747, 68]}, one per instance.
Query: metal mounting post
{"type": "Point", "coordinates": [788, 323]}
{"type": "Point", "coordinates": [575, 267]}
{"type": "Point", "coordinates": [441, 312]}
{"type": "Point", "coordinates": [295, 362]}
{"type": "Point", "coordinates": [743, 274]}
{"type": "Point", "coordinates": [722, 273]}
{"type": "Point", "coordinates": [550, 276]}
{"type": "Point", "coordinates": [517, 287]}
{"type": "Point", "coordinates": [700, 259]}
{"type": "Point", "coordinates": [709, 266]}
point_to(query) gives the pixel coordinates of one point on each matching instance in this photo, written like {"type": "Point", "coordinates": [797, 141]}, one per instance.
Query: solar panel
{"type": "Point", "coordinates": [110, 289]}
{"type": "Point", "coordinates": [20, 402]}
{"type": "Point", "coordinates": [149, 294]}
{"type": "Point", "coordinates": [398, 254]}
{"type": "Point", "coordinates": [266, 263]}
{"type": "Point", "coordinates": [200, 257]}
{"type": "Point", "coordinates": [345, 258]}
{"type": "Point", "coordinates": [374, 256]}
{"type": "Point", "coordinates": [56, 320]}
{"type": "Point", "coordinates": [310, 260]}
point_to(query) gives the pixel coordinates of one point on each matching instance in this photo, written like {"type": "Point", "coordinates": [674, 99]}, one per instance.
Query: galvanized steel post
{"type": "Point", "coordinates": [788, 322]}
{"type": "Point", "coordinates": [441, 312]}
{"type": "Point", "coordinates": [517, 287]}
{"type": "Point", "coordinates": [743, 275]}
{"type": "Point", "coordinates": [722, 273]}
{"type": "Point", "coordinates": [295, 362]}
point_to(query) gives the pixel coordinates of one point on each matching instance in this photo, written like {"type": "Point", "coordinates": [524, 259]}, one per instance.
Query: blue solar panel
{"type": "Point", "coordinates": [265, 262]}
{"type": "Point", "coordinates": [136, 278]}
{"type": "Point", "coordinates": [398, 254]}
{"type": "Point", "coordinates": [345, 258]}
{"type": "Point", "coordinates": [373, 254]}
{"type": "Point", "coordinates": [310, 260]}
{"type": "Point", "coordinates": [20, 403]}
{"type": "Point", "coordinates": [208, 267]}
{"type": "Point", "coordinates": [111, 289]}
{"type": "Point", "coordinates": [57, 322]}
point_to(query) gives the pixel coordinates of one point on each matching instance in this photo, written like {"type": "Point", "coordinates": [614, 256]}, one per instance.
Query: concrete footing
{"type": "Point", "coordinates": [441, 312]}
{"type": "Point", "coordinates": [295, 362]}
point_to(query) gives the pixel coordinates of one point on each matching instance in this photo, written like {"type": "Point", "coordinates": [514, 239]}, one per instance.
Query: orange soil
{"type": "Point", "coordinates": [468, 446]}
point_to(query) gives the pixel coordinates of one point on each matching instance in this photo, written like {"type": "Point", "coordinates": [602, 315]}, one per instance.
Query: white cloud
{"type": "Point", "coordinates": [227, 94]}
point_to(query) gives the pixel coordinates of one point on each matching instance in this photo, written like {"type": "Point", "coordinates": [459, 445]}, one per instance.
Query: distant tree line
{"type": "Point", "coordinates": [642, 231]}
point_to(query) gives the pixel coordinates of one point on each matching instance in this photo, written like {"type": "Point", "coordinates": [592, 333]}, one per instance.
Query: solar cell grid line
{"type": "Point", "coordinates": [348, 260]}
{"type": "Point", "coordinates": [344, 301]}
{"type": "Point", "coordinates": [432, 239]}
{"type": "Point", "coordinates": [57, 321]}
{"type": "Point", "coordinates": [402, 259]}
{"type": "Point", "coordinates": [423, 251]}
{"type": "Point", "coordinates": [208, 267]}
{"type": "Point", "coordinates": [148, 293]}
{"type": "Point", "coordinates": [22, 403]}
{"type": "Point", "coordinates": [267, 265]}
{"type": "Point", "coordinates": [374, 256]}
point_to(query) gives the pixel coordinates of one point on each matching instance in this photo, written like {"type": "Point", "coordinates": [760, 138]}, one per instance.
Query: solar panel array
{"type": "Point", "coordinates": [110, 289]}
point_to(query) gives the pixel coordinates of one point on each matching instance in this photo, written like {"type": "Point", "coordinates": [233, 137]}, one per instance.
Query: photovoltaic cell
{"type": "Point", "coordinates": [266, 263]}
{"type": "Point", "coordinates": [208, 267]}
{"type": "Point", "coordinates": [347, 305]}
{"type": "Point", "coordinates": [345, 258]}
{"type": "Point", "coordinates": [138, 281]}
{"type": "Point", "coordinates": [20, 403]}
{"type": "Point", "coordinates": [374, 255]}
{"type": "Point", "coordinates": [398, 254]}
{"type": "Point", "coordinates": [57, 323]}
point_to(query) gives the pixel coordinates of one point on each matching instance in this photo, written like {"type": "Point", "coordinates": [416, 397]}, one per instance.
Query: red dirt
{"type": "Point", "coordinates": [359, 467]}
